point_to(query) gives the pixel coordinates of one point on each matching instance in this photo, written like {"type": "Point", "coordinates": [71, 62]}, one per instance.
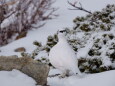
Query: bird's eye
{"type": "Point", "coordinates": [62, 31]}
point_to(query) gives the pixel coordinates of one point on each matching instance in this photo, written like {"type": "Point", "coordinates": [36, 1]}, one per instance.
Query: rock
{"type": "Point", "coordinates": [39, 74]}
{"type": "Point", "coordinates": [20, 49]}
{"type": "Point", "coordinates": [9, 63]}
{"type": "Point", "coordinates": [37, 70]}
{"type": "Point", "coordinates": [21, 35]}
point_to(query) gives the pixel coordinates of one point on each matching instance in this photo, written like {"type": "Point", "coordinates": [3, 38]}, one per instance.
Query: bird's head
{"type": "Point", "coordinates": [61, 33]}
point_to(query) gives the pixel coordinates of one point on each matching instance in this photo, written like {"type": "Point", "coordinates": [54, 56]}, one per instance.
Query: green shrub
{"type": "Point", "coordinates": [93, 33]}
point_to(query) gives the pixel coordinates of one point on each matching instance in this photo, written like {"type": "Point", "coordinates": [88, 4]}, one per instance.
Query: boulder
{"type": "Point", "coordinates": [20, 49]}
{"type": "Point", "coordinates": [37, 70]}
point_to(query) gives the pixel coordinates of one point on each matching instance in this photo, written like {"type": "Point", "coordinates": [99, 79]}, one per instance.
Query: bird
{"type": "Point", "coordinates": [63, 57]}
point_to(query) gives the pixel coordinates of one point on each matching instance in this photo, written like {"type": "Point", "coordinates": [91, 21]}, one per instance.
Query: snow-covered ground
{"type": "Point", "coordinates": [16, 78]}
{"type": "Point", "coordinates": [99, 79]}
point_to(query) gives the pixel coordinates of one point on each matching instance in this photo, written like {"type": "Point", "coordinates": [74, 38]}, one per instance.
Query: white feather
{"type": "Point", "coordinates": [63, 57]}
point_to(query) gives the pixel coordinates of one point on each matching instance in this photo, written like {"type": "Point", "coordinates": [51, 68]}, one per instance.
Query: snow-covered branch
{"type": "Point", "coordinates": [19, 16]}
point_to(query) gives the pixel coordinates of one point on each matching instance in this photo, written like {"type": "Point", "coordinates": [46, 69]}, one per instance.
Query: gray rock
{"type": "Point", "coordinates": [39, 74]}
{"type": "Point", "coordinates": [20, 49]}
{"type": "Point", "coordinates": [37, 70]}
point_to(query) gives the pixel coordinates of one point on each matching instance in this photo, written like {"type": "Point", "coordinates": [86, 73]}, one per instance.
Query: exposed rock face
{"type": "Point", "coordinates": [37, 70]}
{"type": "Point", "coordinates": [20, 49]}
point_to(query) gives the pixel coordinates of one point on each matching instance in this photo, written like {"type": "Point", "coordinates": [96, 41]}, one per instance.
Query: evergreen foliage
{"type": "Point", "coordinates": [92, 38]}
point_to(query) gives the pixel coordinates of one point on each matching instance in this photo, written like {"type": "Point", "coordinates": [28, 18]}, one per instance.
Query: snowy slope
{"type": "Point", "coordinates": [64, 20]}
{"type": "Point", "coordinates": [15, 78]}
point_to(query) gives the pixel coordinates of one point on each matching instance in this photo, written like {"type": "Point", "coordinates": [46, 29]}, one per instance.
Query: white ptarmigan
{"type": "Point", "coordinates": [63, 57]}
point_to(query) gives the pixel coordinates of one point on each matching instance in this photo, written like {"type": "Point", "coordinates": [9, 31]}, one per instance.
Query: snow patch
{"type": "Point", "coordinates": [15, 78]}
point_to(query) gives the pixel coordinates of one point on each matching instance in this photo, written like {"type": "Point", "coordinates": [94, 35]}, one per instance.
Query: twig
{"type": "Point", "coordinates": [53, 75]}
{"type": "Point", "coordinates": [9, 3]}
{"type": "Point", "coordinates": [10, 14]}
{"type": "Point", "coordinates": [51, 14]}
{"type": "Point", "coordinates": [38, 26]}
{"type": "Point", "coordinates": [78, 8]}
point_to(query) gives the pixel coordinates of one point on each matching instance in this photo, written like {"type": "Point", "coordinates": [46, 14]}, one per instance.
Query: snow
{"type": "Point", "coordinates": [64, 20]}
{"type": "Point", "coordinates": [83, 52]}
{"type": "Point", "coordinates": [16, 78]}
{"type": "Point", "coordinates": [99, 79]}
{"type": "Point", "coordinates": [6, 21]}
